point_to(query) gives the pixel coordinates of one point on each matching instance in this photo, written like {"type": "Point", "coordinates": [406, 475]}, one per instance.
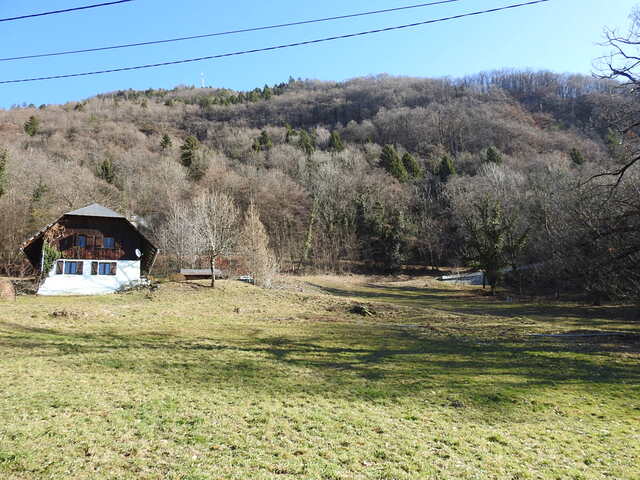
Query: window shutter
{"type": "Point", "coordinates": [59, 267]}
{"type": "Point", "coordinates": [80, 264]}
{"type": "Point", "coordinates": [94, 268]}
{"type": "Point", "coordinates": [113, 268]}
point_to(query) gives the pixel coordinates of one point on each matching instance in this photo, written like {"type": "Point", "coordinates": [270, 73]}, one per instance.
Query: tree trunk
{"type": "Point", "coordinates": [212, 263]}
{"type": "Point", "coordinates": [309, 238]}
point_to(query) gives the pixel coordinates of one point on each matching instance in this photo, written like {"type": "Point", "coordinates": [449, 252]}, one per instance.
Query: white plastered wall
{"type": "Point", "coordinates": [127, 274]}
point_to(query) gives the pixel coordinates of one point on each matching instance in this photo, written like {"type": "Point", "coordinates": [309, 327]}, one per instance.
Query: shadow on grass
{"type": "Point", "coordinates": [348, 361]}
{"type": "Point", "coordinates": [465, 302]}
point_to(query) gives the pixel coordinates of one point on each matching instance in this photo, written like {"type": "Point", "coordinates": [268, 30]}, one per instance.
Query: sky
{"type": "Point", "coordinates": [560, 36]}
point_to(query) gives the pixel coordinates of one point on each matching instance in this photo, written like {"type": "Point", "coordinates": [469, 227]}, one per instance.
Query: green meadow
{"type": "Point", "coordinates": [438, 382]}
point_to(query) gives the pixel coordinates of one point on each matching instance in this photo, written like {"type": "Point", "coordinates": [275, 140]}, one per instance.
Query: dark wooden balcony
{"type": "Point", "coordinates": [94, 253]}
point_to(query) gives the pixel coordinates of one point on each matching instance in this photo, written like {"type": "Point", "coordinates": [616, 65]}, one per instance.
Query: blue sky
{"type": "Point", "coordinates": [560, 36]}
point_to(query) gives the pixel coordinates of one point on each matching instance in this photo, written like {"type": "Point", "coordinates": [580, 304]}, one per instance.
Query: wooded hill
{"type": "Point", "coordinates": [375, 171]}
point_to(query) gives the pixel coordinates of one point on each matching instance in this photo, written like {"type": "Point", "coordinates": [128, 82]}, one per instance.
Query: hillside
{"type": "Point", "coordinates": [310, 155]}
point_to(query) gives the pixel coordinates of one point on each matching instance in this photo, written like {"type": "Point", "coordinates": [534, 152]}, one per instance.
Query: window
{"type": "Point", "coordinates": [109, 242]}
{"type": "Point", "coordinates": [81, 241]}
{"type": "Point", "coordinates": [106, 268]}
{"type": "Point", "coordinates": [72, 268]}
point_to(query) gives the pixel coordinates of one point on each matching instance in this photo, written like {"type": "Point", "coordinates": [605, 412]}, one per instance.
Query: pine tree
{"type": "Point", "coordinates": [32, 125]}
{"type": "Point", "coordinates": [306, 142]}
{"type": "Point", "coordinates": [576, 156]}
{"type": "Point", "coordinates": [166, 143]}
{"type": "Point", "coordinates": [188, 151]}
{"type": "Point", "coordinates": [198, 167]}
{"type": "Point", "coordinates": [446, 168]}
{"type": "Point", "coordinates": [411, 166]}
{"type": "Point", "coordinates": [290, 133]}
{"type": "Point", "coordinates": [335, 142]}
{"type": "Point", "coordinates": [614, 144]}
{"type": "Point", "coordinates": [382, 233]}
{"type": "Point", "coordinates": [392, 163]}
{"type": "Point", "coordinates": [493, 156]}
{"type": "Point", "coordinates": [36, 205]}
{"type": "Point", "coordinates": [486, 240]}
{"type": "Point", "coordinates": [263, 143]}
{"type": "Point", "coordinates": [107, 171]}
{"type": "Point", "coordinates": [4, 157]}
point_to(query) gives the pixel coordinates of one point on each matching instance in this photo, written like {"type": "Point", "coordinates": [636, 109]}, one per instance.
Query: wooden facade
{"type": "Point", "coordinates": [83, 236]}
{"type": "Point", "coordinates": [84, 239]}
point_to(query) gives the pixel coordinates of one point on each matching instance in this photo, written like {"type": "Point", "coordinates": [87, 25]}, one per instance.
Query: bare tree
{"type": "Point", "coordinates": [177, 234]}
{"type": "Point", "coordinates": [215, 219]}
{"type": "Point", "coordinates": [622, 63]}
{"type": "Point", "coordinates": [255, 249]}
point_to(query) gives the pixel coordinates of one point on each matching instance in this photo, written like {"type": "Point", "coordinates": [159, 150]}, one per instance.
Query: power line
{"type": "Point", "coordinates": [230, 32]}
{"type": "Point", "coordinates": [275, 47]}
{"type": "Point", "coordinates": [42, 14]}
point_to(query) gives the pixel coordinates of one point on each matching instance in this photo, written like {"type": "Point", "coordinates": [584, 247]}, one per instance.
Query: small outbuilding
{"type": "Point", "coordinates": [200, 273]}
{"type": "Point", "coordinates": [90, 251]}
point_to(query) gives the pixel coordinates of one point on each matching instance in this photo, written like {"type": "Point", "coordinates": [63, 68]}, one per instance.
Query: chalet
{"type": "Point", "coordinates": [101, 252]}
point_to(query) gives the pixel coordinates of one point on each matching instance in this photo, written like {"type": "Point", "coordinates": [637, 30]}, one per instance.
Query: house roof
{"type": "Point", "coordinates": [187, 272]}
{"type": "Point", "coordinates": [95, 210]}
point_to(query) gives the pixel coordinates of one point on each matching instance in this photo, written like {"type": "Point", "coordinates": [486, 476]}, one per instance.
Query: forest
{"type": "Point", "coordinates": [500, 171]}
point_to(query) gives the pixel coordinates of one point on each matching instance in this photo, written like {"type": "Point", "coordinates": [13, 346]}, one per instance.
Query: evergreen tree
{"type": "Point", "coordinates": [335, 142]}
{"type": "Point", "coordinates": [576, 156]}
{"type": "Point", "coordinates": [166, 143]}
{"type": "Point", "coordinates": [486, 240]}
{"type": "Point", "coordinates": [446, 168]}
{"type": "Point", "coordinates": [198, 167]}
{"type": "Point", "coordinates": [290, 133]}
{"type": "Point", "coordinates": [382, 233]}
{"type": "Point", "coordinates": [37, 211]}
{"type": "Point", "coordinates": [411, 166]}
{"type": "Point", "coordinates": [394, 239]}
{"type": "Point", "coordinates": [392, 163]}
{"type": "Point", "coordinates": [306, 142]}
{"type": "Point", "coordinates": [39, 192]}
{"type": "Point", "coordinates": [107, 171]}
{"type": "Point", "coordinates": [4, 157]}
{"type": "Point", "coordinates": [614, 144]}
{"type": "Point", "coordinates": [188, 151]}
{"type": "Point", "coordinates": [493, 156]}
{"type": "Point", "coordinates": [31, 126]}
{"type": "Point", "coordinates": [263, 143]}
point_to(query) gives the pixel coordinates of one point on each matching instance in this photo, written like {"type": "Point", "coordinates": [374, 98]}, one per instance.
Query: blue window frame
{"type": "Point", "coordinates": [73, 268]}
{"type": "Point", "coordinates": [109, 242]}
{"type": "Point", "coordinates": [107, 268]}
{"type": "Point", "coordinates": [81, 241]}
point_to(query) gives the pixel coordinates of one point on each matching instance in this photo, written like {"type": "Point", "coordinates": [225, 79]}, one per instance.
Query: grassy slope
{"type": "Point", "coordinates": [439, 384]}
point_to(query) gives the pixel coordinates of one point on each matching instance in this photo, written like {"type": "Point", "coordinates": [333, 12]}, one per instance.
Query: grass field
{"type": "Point", "coordinates": [241, 383]}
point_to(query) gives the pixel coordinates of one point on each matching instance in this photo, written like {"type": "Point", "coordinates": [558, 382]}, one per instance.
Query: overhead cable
{"type": "Point", "coordinates": [229, 32]}
{"type": "Point", "coordinates": [66, 10]}
{"type": "Point", "coordinates": [275, 47]}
